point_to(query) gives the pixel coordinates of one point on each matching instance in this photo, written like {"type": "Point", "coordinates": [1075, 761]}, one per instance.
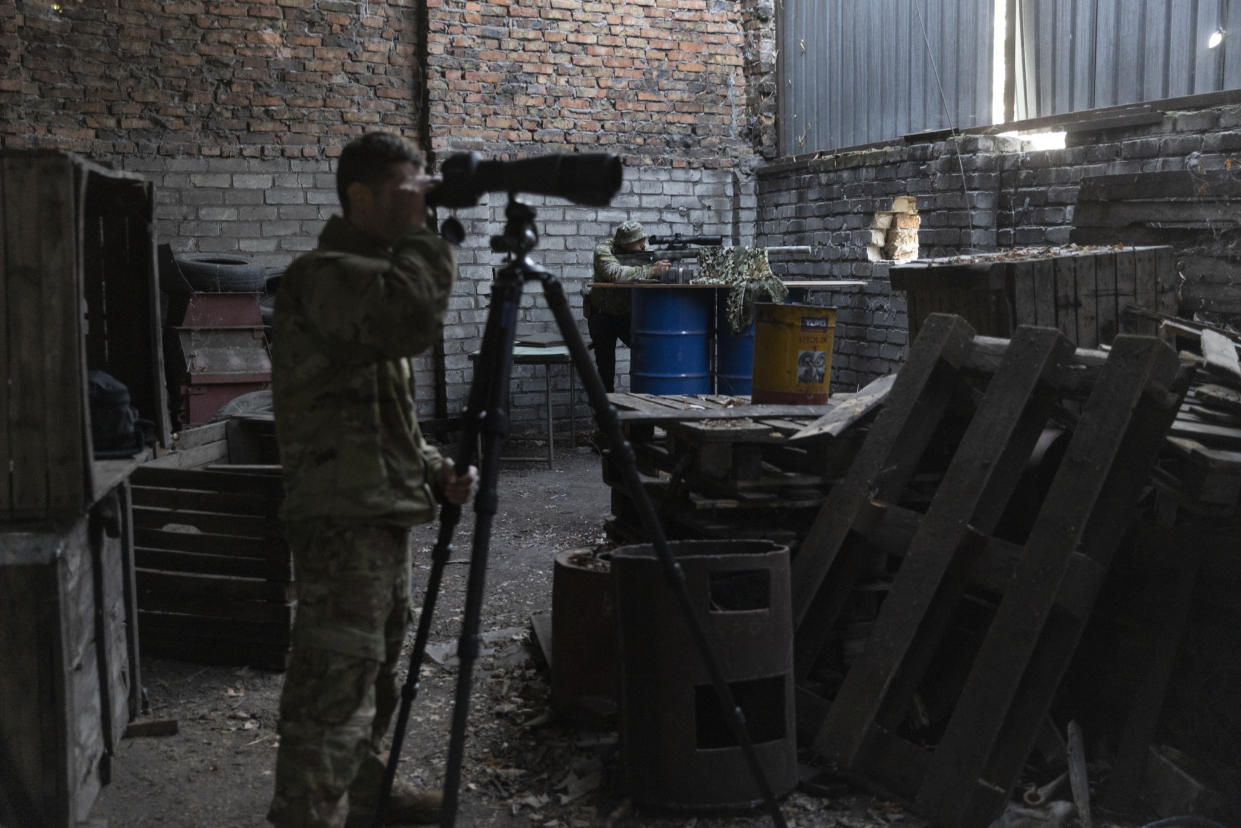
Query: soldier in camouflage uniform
{"type": "Point", "coordinates": [607, 310]}
{"type": "Point", "coordinates": [357, 472]}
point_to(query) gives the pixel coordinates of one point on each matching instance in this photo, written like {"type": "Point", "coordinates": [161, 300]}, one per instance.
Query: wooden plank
{"type": "Point", "coordinates": [47, 382]}
{"type": "Point", "coordinates": [200, 435]}
{"type": "Point", "coordinates": [130, 591]}
{"type": "Point", "coordinates": [844, 411]}
{"type": "Point", "coordinates": [1085, 491]}
{"type": "Point", "coordinates": [33, 689]}
{"type": "Point", "coordinates": [192, 626]}
{"type": "Point", "coordinates": [1065, 297]}
{"type": "Point", "coordinates": [1126, 295]}
{"type": "Point", "coordinates": [241, 647]}
{"type": "Point", "coordinates": [1087, 300]}
{"type": "Point", "coordinates": [258, 485]}
{"type": "Point", "coordinates": [891, 529]}
{"type": "Point", "coordinates": [823, 576]}
{"type": "Point", "coordinates": [196, 457]}
{"type": "Point", "coordinates": [1225, 437]}
{"type": "Point", "coordinates": [241, 526]}
{"type": "Point", "coordinates": [1218, 397]}
{"type": "Point", "coordinates": [1044, 272]}
{"type": "Point", "coordinates": [1021, 290]}
{"type": "Point", "coordinates": [192, 562]}
{"type": "Point", "coordinates": [215, 607]}
{"type": "Point", "coordinates": [1107, 307]}
{"type": "Point", "coordinates": [1220, 353]}
{"type": "Point", "coordinates": [1167, 599]}
{"type": "Point", "coordinates": [650, 415]}
{"type": "Point", "coordinates": [202, 543]}
{"type": "Point", "coordinates": [1146, 281]}
{"type": "Point", "coordinates": [189, 500]}
{"type": "Point", "coordinates": [971, 498]}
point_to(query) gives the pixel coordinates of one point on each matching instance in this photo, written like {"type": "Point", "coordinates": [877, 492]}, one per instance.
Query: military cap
{"type": "Point", "coordinates": [629, 232]}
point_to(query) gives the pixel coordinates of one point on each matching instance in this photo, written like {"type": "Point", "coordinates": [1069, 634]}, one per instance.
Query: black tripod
{"type": "Point", "coordinates": [486, 421]}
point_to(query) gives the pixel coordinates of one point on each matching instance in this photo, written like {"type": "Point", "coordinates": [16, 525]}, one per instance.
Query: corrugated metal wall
{"type": "Point", "coordinates": [1087, 54]}
{"type": "Point", "coordinates": [861, 71]}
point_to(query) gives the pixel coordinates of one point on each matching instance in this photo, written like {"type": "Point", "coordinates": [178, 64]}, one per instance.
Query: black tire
{"type": "Point", "coordinates": [214, 273]}
{"type": "Point", "coordinates": [267, 302]}
{"type": "Point", "coordinates": [254, 402]}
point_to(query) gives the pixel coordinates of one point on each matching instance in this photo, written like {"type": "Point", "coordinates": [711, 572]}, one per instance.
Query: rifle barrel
{"type": "Point", "coordinates": [648, 256]}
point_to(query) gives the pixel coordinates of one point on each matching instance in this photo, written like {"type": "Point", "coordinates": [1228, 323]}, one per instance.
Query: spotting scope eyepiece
{"type": "Point", "coordinates": [583, 178]}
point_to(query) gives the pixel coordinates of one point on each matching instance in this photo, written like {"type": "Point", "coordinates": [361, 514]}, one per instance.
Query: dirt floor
{"type": "Point", "coordinates": [522, 766]}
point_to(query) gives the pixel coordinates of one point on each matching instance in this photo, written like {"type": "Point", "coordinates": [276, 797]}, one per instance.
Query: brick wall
{"type": "Point", "coordinates": [981, 193]}
{"type": "Point", "coordinates": [659, 82]}
{"type": "Point", "coordinates": [237, 110]}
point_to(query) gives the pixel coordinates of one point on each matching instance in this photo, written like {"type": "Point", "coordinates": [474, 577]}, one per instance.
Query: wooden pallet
{"type": "Point", "coordinates": [214, 572]}
{"type": "Point", "coordinates": [1037, 590]}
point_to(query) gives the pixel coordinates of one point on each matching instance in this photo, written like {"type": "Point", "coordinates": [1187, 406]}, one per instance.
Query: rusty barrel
{"type": "Point", "coordinates": [792, 354]}
{"type": "Point", "coordinates": [677, 747]}
{"type": "Point", "coordinates": [585, 676]}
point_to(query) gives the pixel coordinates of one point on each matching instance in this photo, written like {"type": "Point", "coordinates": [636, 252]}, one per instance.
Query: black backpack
{"type": "Point", "coordinates": [115, 427]}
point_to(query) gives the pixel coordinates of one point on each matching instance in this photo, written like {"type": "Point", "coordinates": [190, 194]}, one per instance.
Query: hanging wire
{"type": "Point", "coordinates": [956, 136]}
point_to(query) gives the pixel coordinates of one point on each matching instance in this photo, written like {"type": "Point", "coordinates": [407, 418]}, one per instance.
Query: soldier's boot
{"type": "Point", "coordinates": [407, 804]}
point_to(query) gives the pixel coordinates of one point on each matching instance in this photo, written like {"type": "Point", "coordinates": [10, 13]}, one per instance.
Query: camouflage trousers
{"type": "Point", "coordinates": [340, 690]}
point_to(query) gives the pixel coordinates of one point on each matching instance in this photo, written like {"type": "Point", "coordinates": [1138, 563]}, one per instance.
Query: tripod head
{"type": "Point", "coordinates": [520, 235]}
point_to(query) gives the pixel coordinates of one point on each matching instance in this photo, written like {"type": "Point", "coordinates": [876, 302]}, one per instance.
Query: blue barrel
{"type": "Point", "coordinates": [734, 352]}
{"type": "Point", "coordinates": [669, 352]}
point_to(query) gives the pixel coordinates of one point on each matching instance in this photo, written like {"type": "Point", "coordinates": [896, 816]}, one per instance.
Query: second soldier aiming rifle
{"type": "Point", "coordinates": [679, 249]}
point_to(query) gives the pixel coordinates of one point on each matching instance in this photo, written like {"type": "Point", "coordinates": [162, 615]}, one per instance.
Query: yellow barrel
{"type": "Point", "coordinates": [792, 354]}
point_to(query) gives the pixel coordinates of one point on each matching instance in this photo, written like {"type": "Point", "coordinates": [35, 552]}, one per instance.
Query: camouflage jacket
{"type": "Point", "coordinates": [608, 269]}
{"type": "Point", "coordinates": [349, 315]}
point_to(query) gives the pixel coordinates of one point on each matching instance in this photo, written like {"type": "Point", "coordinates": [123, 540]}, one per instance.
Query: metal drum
{"type": "Point", "coordinates": [670, 342]}
{"type": "Point", "coordinates": [734, 352]}
{"type": "Point", "coordinates": [585, 675]}
{"type": "Point", "coordinates": [677, 748]}
{"type": "Point", "coordinates": [792, 354]}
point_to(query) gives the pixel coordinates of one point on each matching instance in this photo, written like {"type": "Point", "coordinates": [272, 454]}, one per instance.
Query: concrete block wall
{"type": "Point", "coordinates": [829, 202]}
{"type": "Point", "coordinates": [973, 193]}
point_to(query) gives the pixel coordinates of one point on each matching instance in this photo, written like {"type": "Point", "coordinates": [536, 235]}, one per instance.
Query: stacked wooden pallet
{"type": "Point", "coordinates": [720, 467]}
{"type": "Point", "coordinates": [1201, 464]}
{"type": "Point", "coordinates": [978, 622]}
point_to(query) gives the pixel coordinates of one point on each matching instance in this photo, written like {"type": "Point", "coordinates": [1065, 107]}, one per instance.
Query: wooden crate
{"type": "Point", "coordinates": [1082, 292]}
{"type": "Point", "coordinates": [70, 682]}
{"type": "Point", "coordinates": [78, 291]}
{"type": "Point", "coordinates": [214, 572]}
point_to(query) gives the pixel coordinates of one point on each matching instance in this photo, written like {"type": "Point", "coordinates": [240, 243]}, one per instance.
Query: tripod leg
{"type": "Point", "coordinates": [606, 416]}
{"type": "Point", "coordinates": [450, 516]}
{"type": "Point", "coordinates": [409, 690]}
{"type": "Point", "coordinates": [494, 369]}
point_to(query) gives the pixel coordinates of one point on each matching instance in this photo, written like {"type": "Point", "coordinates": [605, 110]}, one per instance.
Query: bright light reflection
{"type": "Point", "coordinates": [1038, 140]}
{"type": "Point", "coordinates": [1216, 38]}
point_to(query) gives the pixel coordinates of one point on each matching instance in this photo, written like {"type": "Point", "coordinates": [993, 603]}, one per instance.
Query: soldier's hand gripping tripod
{"type": "Point", "coordinates": [486, 427]}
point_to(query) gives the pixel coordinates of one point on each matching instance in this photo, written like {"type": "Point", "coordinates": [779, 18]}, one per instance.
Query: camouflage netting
{"type": "Point", "coordinates": [747, 274]}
